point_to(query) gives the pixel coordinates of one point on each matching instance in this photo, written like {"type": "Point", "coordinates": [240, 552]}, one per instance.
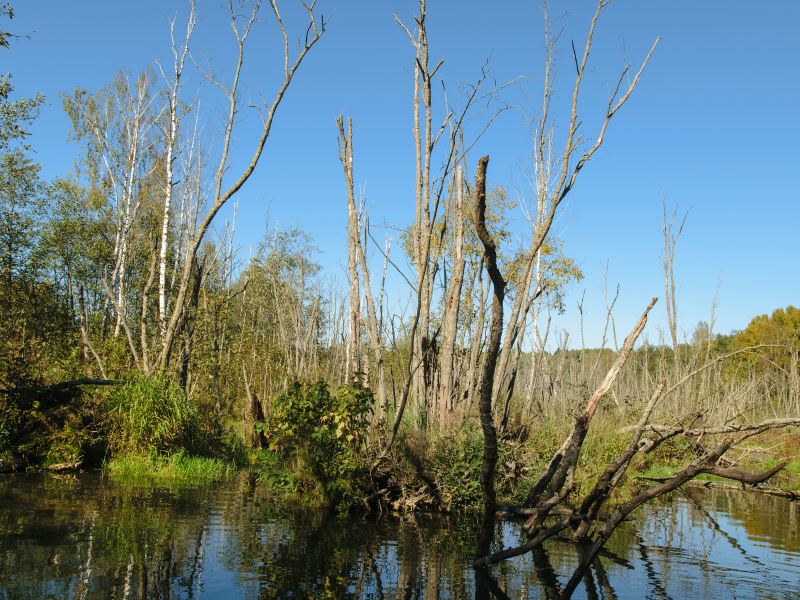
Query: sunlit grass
{"type": "Point", "coordinates": [178, 468]}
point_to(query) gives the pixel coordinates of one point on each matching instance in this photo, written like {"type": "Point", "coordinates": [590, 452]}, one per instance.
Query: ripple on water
{"type": "Point", "coordinates": [84, 536]}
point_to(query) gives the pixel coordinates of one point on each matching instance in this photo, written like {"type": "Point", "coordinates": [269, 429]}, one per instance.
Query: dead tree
{"type": "Point", "coordinates": [493, 345]}
{"type": "Point", "coordinates": [357, 259]}
{"type": "Point", "coordinates": [556, 484]}
{"type": "Point", "coordinates": [257, 439]}
{"type": "Point", "coordinates": [671, 236]}
{"type": "Point", "coordinates": [221, 195]}
{"type": "Point", "coordinates": [425, 140]}
{"type": "Point", "coordinates": [558, 479]}
{"type": "Point", "coordinates": [353, 354]}
{"type": "Point", "coordinates": [452, 304]}
{"type": "Point", "coordinates": [555, 178]}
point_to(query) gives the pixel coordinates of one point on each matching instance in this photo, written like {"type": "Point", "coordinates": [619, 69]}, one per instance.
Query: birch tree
{"type": "Point", "coordinates": [116, 124]}
{"type": "Point", "coordinates": [174, 115]}
{"type": "Point", "coordinates": [222, 193]}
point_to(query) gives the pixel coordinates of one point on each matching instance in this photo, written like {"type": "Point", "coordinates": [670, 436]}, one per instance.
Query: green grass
{"type": "Point", "coordinates": [177, 468]}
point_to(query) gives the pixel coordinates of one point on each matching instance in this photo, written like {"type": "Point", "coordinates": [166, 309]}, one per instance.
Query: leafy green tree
{"type": "Point", "coordinates": [325, 432]}
{"type": "Point", "coordinates": [20, 187]}
{"type": "Point", "coordinates": [22, 201]}
{"type": "Point", "coordinates": [15, 115]}
{"type": "Point", "coordinates": [779, 332]}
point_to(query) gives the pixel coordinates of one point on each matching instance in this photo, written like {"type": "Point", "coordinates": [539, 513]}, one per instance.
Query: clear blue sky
{"type": "Point", "coordinates": [713, 128]}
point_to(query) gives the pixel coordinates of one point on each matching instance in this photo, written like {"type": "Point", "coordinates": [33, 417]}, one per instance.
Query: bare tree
{"type": "Point", "coordinates": [671, 236]}
{"type": "Point", "coordinates": [447, 387]}
{"type": "Point", "coordinates": [353, 357]}
{"type": "Point", "coordinates": [424, 143]}
{"type": "Point", "coordinates": [314, 32]}
{"type": "Point", "coordinates": [493, 345]}
{"type": "Point", "coordinates": [554, 181]}
{"type": "Point", "coordinates": [357, 262]}
{"type": "Point", "coordinates": [557, 482]}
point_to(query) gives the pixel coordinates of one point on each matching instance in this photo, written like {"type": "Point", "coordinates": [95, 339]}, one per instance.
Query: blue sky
{"type": "Point", "coordinates": [712, 129]}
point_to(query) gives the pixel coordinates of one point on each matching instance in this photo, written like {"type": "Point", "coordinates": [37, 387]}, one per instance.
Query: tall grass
{"type": "Point", "coordinates": [151, 416]}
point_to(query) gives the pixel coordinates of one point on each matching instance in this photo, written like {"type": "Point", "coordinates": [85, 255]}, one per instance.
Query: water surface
{"type": "Point", "coordinates": [84, 536]}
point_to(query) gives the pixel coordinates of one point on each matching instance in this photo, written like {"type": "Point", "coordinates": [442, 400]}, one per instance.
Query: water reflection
{"type": "Point", "coordinates": [86, 537]}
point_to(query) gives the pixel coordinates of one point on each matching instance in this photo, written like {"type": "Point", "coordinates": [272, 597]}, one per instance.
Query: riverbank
{"type": "Point", "coordinates": [439, 473]}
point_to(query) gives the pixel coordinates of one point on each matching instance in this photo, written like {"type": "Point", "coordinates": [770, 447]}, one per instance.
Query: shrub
{"type": "Point", "coordinates": [455, 463]}
{"type": "Point", "coordinates": [322, 432]}
{"type": "Point", "coordinates": [10, 424]}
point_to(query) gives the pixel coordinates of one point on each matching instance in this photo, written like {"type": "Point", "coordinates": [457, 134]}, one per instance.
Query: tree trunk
{"type": "Point", "coordinates": [353, 355]}
{"type": "Point", "coordinates": [493, 346]}
{"type": "Point", "coordinates": [452, 308]}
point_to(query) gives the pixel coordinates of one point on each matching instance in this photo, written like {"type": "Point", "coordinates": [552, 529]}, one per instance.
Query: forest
{"type": "Point", "coordinates": [136, 337]}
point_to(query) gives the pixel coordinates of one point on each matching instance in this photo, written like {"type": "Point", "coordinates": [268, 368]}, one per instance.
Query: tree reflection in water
{"type": "Point", "coordinates": [86, 537]}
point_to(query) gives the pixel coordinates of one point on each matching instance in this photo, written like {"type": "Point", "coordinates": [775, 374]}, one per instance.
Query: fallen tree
{"type": "Point", "coordinates": [553, 494]}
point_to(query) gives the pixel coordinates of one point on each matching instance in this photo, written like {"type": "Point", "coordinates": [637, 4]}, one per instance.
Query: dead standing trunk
{"type": "Point", "coordinates": [493, 346]}
{"type": "Point", "coordinates": [353, 354]}
{"type": "Point", "coordinates": [258, 439]}
{"type": "Point", "coordinates": [452, 309]}
{"type": "Point", "coordinates": [314, 33]}
{"type": "Point", "coordinates": [357, 254]}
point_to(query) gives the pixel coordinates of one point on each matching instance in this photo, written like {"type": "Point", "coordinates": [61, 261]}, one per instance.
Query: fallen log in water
{"type": "Point", "coordinates": [769, 491]}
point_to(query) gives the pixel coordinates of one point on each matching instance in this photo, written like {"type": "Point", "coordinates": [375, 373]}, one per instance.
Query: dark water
{"type": "Point", "coordinates": [86, 537]}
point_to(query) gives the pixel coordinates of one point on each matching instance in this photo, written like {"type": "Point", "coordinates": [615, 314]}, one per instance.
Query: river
{"type": "Point", "coordinates": [85, 536]}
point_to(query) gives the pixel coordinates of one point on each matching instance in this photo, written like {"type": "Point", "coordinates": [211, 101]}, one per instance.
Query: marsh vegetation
{"type": "Point", "coordinates": [136, 339]}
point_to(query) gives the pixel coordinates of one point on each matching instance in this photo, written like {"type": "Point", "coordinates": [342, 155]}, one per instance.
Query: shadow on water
{"type": "Point", "coordinates": [87, 537]}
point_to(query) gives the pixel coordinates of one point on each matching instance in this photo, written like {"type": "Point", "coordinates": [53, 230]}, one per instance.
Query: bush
{"type": "Point", "coordinates": [49, 429]}
{"type": "Point", "coordinates": [271, 471]}
{"type": "Point", "coordinates": [455, 463]}
{"type": "Point", "coordinates": [314, 430]}
{"type": "Point", "coordinates": [11, 420]}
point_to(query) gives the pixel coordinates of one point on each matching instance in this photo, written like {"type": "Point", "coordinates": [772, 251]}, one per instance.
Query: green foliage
{"type": "Point", "coordinates": [603, 445]}
{"type": "Point", "coordinates": [36, 326]}
{"type": "Point", "coordinates": [15, 115]}
{"type": "Point", "coordinates": [271, 471]}
{"type": "Point", "coordinates": [308, 426]}
{"type": "Point", "coordinates": [11, 419]}
{"type": "Point", "coordinates": [151, 416]}
{"type": "Point", "coordinates": [68, 444]}
{"type": "Point", "coordinates": [537, 451]}
{"type": "Point", "coordinates": [780, 331]}
{"type": "Point", "coordinates": [6, 10]}
{"type": "Point", "coordinates": [455, 463]}
{"type": "Point", "coordinates": [178, 467]}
